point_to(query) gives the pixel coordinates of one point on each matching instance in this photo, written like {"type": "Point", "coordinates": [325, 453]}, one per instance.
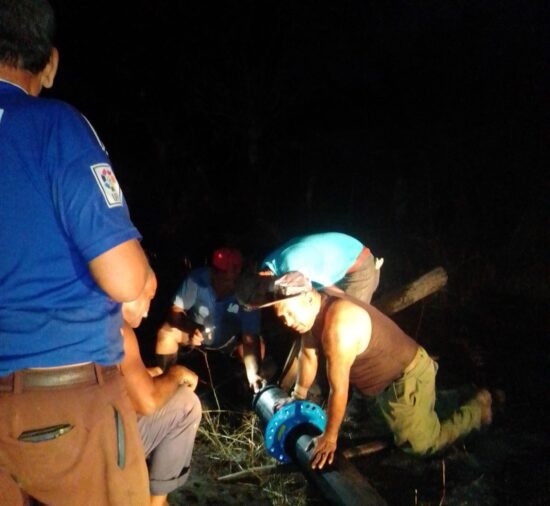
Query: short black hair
{"type": "Point", "coordinates": [27, 29]}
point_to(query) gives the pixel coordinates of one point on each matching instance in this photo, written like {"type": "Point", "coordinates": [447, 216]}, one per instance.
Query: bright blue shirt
{"type": "Point", "coordinates": [223, 319]}
{"type": "Point", "coordinates": [60, 207]}
{"type": "Point", "coordinates": [324, 258]}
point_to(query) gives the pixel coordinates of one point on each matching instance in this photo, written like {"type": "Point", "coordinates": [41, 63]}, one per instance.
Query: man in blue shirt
{"type": "Point", "coordinates": [206, 314]}
{"type": "Point", "coordinates": [69, 255]}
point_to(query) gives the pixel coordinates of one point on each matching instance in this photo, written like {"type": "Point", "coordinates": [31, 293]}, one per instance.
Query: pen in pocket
{"type": "Point", "coordinates": [45, 433]}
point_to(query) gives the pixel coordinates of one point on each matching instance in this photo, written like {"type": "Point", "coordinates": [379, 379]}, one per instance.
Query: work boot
{"type": "Point", "coordinates": [485, 400]}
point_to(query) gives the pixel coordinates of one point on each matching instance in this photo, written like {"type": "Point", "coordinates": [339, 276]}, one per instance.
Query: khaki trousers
{"type": "Point", "coordinates": [408, 407]}
{"type": "Point", "coordinates": [98, 462]}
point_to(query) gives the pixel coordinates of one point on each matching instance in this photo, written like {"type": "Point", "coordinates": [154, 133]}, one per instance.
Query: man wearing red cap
{"type": "Point", "coordinates": [206, 313]}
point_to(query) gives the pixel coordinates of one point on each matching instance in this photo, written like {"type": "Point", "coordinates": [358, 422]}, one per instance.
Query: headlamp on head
{"type": "Point", "coordinates": [290, 284]}
{"type": "Point", "coordinates": [254, 291]}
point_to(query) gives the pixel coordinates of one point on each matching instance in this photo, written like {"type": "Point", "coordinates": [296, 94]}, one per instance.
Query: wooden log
{"type": "Point", "coordinates": [255, 472]}
{"type": "Point", "coordinates": [272, 469]}
{"type": "Point", "coordinates": [403, 297]}
{"type": "Point", "coordinates": [364, 449]}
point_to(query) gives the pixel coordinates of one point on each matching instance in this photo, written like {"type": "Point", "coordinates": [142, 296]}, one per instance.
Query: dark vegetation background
{"type": "Point", "coordinates": [419, 127]}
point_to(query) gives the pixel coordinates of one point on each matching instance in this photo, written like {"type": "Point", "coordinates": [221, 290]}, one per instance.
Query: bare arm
{"type": "Point", "coordinates": [251, 362]}
{"type": "Point", "coordinates": [338, 377]}
{"type": "Point", "coordinates": [171, 334]}
{"type": "Point", "coordinates": [169, 337]}
{"type": "Point", "coordinates": [341, 342]}
{"type": "Point", "coordinates": [307, 366]}
{"type": "Point", "coordinates": [146, 393]}
{"type": "Point", "coordinates": [122, 271]}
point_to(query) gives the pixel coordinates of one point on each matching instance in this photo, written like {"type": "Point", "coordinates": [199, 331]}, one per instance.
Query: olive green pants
{"type": "Point", "coordinates": [408, 409]}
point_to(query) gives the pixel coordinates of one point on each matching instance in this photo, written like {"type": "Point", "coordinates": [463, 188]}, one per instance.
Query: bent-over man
{"type": "Point", "coordinates": [367, 350]}
{"type": "Point", "coordinates": [335, 263]}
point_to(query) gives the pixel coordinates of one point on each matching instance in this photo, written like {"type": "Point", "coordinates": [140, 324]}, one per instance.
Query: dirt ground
{"type": "Point", "coordinates": [504, 465]}
{"type": "Point", "coordinates": [491, 340]}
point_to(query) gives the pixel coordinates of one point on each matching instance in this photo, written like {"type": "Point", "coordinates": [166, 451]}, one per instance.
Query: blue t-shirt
{"type": "Point", "coordinates": [223, 319]}
{"type": "Point", "coordinates": [60, 207]}
{"type": "Point", "coordinates": [324, 258]}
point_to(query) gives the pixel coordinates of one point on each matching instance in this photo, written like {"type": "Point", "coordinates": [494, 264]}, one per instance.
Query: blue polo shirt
{"type": "Point", "coordinates": [223, 318]}
{"type": "Point", "coordinates": [324, 258]}
{"type": "Point", "coordinates": [60, 207]}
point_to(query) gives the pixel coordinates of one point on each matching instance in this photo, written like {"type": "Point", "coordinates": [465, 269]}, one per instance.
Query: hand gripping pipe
{"type": "Point", "coordinates": [288, 437]}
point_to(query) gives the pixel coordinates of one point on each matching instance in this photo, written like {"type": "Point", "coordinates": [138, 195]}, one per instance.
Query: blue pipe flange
{"type": "Point", "coordinates": [285, 420]}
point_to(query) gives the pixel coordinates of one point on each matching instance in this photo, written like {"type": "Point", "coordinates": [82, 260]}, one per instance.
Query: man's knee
{"type": "Point", "coordinates": [188, 405]}
{"type": "Point", "coordinates": [418, 445]}
{"type": "Point", "coordinates": [196, 408]}
{"type": "Point", "coordinates": [417, 437]}
{"type": "Point", "coordinates": [416, 450]}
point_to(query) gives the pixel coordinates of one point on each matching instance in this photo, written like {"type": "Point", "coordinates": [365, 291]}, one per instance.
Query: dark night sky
{"type": "Point", "coordinates": [419, 127]}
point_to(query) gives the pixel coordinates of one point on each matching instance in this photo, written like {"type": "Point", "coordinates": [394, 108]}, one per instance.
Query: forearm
{"type": "Point", "coordinates": [162, 389]}
{"type": "Point", "coordinates": [250, 357]}
{"type": "Point", "coordinates": [168, 339]}
{"type": "Point", "coordinates": [307, 370]}
{"type": "Point", "coordinates": [336, 409]}
{"type": "Point", "coordinates": [327, 443]}
{"type": "Point", "coordinates": [165, 386]}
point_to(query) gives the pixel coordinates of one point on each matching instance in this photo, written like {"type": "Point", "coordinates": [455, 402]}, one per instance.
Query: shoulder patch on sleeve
{"type": "Point", "coordinates": [108, 184]}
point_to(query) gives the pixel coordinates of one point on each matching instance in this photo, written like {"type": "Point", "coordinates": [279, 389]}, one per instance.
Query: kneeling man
{"type": "Point", "coordinates": [365, 349]}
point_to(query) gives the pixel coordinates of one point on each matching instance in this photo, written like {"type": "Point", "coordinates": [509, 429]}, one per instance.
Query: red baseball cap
{"type": "Point", "coordinates": [227, 259]}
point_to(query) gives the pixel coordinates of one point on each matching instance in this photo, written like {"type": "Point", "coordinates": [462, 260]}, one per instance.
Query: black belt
{"type": "Point", "coordinates": [37, 379]}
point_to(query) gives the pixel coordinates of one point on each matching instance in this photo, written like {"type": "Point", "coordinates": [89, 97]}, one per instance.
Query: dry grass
{"type": "Point", "coordinates": [234, 442]}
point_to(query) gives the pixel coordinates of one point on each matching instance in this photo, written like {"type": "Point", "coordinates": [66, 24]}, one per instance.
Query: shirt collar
{"type": "Point", "coordinates": [4, 81]}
